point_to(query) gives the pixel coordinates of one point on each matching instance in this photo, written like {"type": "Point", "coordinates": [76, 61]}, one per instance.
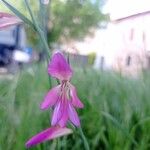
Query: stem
{"type": "Point", "coordinates": [86, 145]}
{"type": "Point", "coordinates": [43, 10]}
{"type": "Point", "coordinates": [58, 144]}
{"type": "Point", "coordinates": [40, 32]}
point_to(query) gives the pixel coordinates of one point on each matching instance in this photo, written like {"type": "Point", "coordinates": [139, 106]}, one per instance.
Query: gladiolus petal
{"type": "Point", "coordinates": [48, 134]}
{"type": "Point", "coordinates": [62, 122]}
{"type": "Point", "coordinates": [75, 100]}
{"type": "Point", "coordinates": [57, 114]}
{"type": "Point", "coordinates": [59, 68]}
{"type": "Point", "coordinates": [73, 116]}
{"type": "Point", "coordinates": [51, 98]}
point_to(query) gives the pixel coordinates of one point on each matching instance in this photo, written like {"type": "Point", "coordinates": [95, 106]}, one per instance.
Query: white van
{"type": "Point", "coordinates": [13, 45]}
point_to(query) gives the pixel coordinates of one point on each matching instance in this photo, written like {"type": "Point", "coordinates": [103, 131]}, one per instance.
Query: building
{"type": "Point", "coordinates": [126, 44]}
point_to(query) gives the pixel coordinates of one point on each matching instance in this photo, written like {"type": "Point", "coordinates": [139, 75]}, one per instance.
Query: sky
{"type": "Point", "coordinates": [123, 8]}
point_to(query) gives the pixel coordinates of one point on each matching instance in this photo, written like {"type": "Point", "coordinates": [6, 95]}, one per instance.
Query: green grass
{"type": "Point", "coordinates": [116, 114]}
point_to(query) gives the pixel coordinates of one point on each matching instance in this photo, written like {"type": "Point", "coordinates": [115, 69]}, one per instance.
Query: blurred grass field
{"type": "Point", "coordinates": [116, 114]}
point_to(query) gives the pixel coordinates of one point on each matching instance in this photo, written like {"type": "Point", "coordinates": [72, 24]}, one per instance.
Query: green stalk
{"type": "Point", "coordinates": [43, 13]}
{"type": "Point", "coordinates": [40, 32]}
{"type": "Point", "coordinates": [86, 145]}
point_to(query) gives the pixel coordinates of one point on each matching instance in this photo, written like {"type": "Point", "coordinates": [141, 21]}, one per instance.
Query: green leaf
{"type": "Point", "coordinates": [19, 14]}
{"type": "Point", "coordinates": [119, 126]}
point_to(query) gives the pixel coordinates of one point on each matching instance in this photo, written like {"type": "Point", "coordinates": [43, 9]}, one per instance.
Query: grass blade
{"type": "Point", "coordinates": [116, 122]}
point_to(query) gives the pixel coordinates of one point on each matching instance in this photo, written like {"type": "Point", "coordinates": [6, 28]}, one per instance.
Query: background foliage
{"type": "Point", "coordinates": [116, 114]}
{"type": "Point", "coordinates": [74, 19]}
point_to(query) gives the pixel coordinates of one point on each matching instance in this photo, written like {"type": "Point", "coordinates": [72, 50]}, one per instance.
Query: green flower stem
{"type": "Point", "coordinates": [86, 145]}
{"type": "Point", "coordinates": [40, 32]}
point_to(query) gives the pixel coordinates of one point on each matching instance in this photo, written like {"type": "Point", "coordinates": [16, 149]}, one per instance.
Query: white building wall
{"type": "Point", "coordinates": [123, 38]}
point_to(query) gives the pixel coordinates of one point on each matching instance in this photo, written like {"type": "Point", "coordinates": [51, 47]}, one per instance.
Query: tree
{"type": "Point", "coordinates": [73, 19]}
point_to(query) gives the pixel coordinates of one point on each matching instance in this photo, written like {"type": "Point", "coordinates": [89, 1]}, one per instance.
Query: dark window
{"type": "Point", "coordinates": [148, 62]}
{"type": "Point", "coordinates": [102, 59]}
{"type": "Point", "coordinates": [128, 62]}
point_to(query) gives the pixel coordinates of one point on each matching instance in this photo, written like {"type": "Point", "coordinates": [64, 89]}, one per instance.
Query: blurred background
{"type": "Point", "coordinates": [108, 44]}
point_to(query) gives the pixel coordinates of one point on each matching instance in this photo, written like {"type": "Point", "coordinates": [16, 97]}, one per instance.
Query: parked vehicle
{"type": "Point", "coordinates": [13, 47]}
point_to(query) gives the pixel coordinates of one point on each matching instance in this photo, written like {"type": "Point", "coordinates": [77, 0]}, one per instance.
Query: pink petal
{"type": "Point", "coordinates": [57, 114]}
{"type": "Point", "coordinates": [62, 122]}
{"type": "Point", "coordinates": [51, 98]}
{"type": "Point", "coordinates": [48, 134]}
{"type": "Point", "coordinates": [59, 68]}
{"type": "Point", "coordinates": [75, 100]}
{"type": "Point", "coordinates": [73, 116]}
{"type": "Point", "coordinates": [7, 20]}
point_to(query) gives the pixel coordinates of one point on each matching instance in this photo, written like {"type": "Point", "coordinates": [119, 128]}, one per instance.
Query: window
{"type": "Point", "coordinates": [128, 61]}
{"type": "Point", "coordinates": [102, 59]}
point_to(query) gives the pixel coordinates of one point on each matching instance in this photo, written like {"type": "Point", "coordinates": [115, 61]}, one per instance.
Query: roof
{"type": "Point", "coordinates": [119, 9]}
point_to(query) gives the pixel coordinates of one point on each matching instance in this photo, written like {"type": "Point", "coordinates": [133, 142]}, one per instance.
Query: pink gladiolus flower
{"type": "Point", "coordinates": [48, 134]}
{"type": "Point", "coordinates": [7, 20]}
{"type": "Point", "coordinates": [64, 96]}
